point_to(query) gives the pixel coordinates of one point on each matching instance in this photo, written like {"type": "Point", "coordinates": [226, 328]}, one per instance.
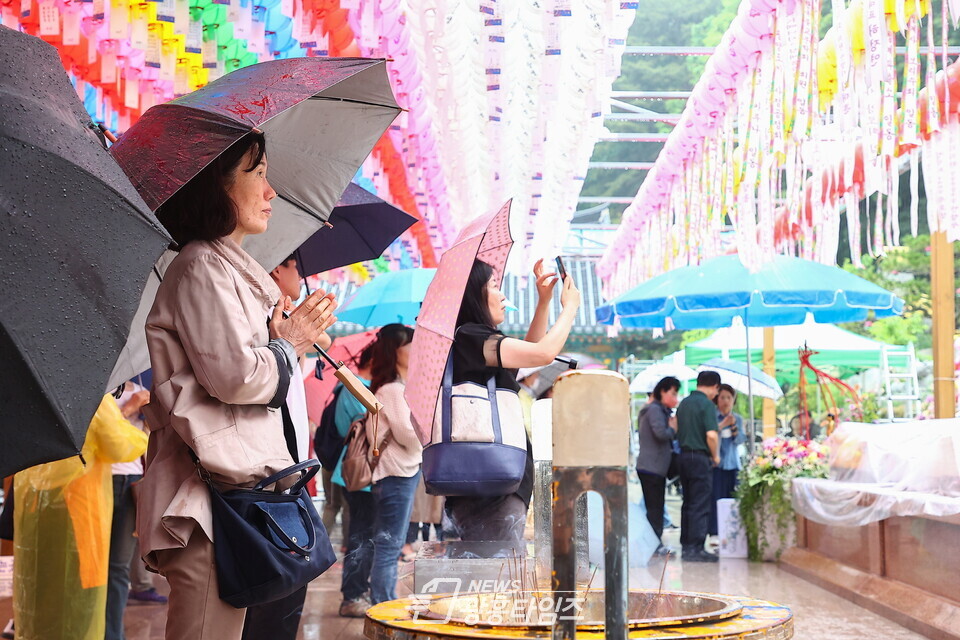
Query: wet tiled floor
{"type": "Point", "coordinates": [819, 614]}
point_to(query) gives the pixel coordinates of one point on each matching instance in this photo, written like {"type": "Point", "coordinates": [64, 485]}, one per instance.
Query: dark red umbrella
{"type": "Point", "coordinates": [321, 117]}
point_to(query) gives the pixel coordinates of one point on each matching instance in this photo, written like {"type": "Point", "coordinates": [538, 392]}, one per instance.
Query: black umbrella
{"type": "Point", "coordinates": [76, 244]}
{"type": "Point", "coordinates": [360, 227]}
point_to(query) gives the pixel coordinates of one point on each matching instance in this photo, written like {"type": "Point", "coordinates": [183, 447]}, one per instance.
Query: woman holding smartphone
{"type": "Point", "coordinates": [730, 426]}
{"type": "Point", "coordinates": [480, 350]}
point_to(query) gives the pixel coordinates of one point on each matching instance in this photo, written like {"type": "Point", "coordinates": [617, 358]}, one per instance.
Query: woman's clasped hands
{"type": "Point", "coordinates": [306, 323]}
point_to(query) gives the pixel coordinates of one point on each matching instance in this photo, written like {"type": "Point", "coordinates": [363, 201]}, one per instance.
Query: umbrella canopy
{"type": "Point", "coordinates": [361, 227]}
{"type": "Point", "coordinates": [76, 243]}
{"type": "Point", "coordinates": [394, 296]}
{"type": "Point", "coordinates": [487, 238]}
{"type": "Point", "coordinates": [835, 347]}
{"type": "Point", "coordinates": [735, 374]}
{"type": "Point", "coordinates": [345, 349]}
{"type": "Point", "coordinates": [320, 116]}
{"type": "Point", "coordinates": [720, 289]}
{"type": "Point", "coordinates": [547, 375]}
{"type": "Point", "coordinates": [646, 380]}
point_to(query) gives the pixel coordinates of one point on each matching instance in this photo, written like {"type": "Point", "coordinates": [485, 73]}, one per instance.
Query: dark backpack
{"type": "Point", "coordinates": [327, 442]}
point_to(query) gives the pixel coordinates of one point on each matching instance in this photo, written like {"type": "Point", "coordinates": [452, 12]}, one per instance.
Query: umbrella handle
{"type": "Point", "coordinates": [357, 389]}
{"type": "Point", "coordinates": [107, 133]}
{"type": "Point", "coordinates": [350, 381]}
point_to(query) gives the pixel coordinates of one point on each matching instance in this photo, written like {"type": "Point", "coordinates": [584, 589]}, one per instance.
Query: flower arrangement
{"type": "Point", "coordinates": [764, 494]}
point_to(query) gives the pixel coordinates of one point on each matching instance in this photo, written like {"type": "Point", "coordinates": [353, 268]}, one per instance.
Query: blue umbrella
{"type": "Point", "coordinates": [712, 294]}
{"type": "Point", "coordinates": [720, 289]}
{"type": "Point", "coordinates": [360, 227]}
{"type": "Point", "coordinates": [390, 297]}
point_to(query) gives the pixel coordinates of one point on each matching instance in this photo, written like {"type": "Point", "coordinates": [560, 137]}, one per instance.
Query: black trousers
{"type": "Point", "coordinates": [654, 489]}
{"type": "Point", "coordinates": [277, 620]}
{"type": "Point", "coordinates": [696, 478]}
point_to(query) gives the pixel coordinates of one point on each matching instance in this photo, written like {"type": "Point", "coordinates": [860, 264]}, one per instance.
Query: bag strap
{"type": "Point", "coordinates": [494, 410]}
{"type": "Point", "coordinates": [291, 545]}
{"type": "Point", "coordinates": [446, 428]}
{"type": "Point", "coordinates": [446, 407]}
{"type": "Point", "coordinates": [310, 466]}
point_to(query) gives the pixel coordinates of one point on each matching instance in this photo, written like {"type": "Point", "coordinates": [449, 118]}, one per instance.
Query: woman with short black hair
{"type": "Point", "coordinates": [219, 375]}
{"type": "Point", "coordinates": [657, 431]}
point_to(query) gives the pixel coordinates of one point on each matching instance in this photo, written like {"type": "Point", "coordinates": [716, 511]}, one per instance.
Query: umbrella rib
{"type": "Point", "coordinates": [363, 102]}
{"type": "Point", "coordinates": [303, 208]}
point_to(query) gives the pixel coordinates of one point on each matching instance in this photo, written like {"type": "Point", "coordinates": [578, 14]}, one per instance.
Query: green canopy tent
{"type": "Point", "coordinates": [840, 351]}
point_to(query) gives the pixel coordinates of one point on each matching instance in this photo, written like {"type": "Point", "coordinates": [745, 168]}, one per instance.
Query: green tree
{"type": "Point", "coordinates": [905, 270]}
{"type": "Point", "coordinates": [668, 24]}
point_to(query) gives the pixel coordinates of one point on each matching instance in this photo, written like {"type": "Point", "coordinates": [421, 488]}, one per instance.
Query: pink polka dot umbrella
{"type": "Point", "coordinates": [487, 238]}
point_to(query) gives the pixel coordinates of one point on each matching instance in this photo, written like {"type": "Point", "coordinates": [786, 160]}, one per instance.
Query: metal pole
{"type": "Point", "coordinates": [750, 445]}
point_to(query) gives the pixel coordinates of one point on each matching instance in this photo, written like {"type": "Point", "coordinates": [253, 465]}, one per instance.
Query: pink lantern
{"type": "Point", "coordinates": [714, 76]}
{"type": "Point", "coordinates": [765, 6]}
{"type": "Point", "coordinates": [744, 47]}
{"type": "Point", "coordinates": [712, 92]}
{"type": "Point", "coordinates": [753, 22]}
{"type": "Point", "coordinates": [728, 64]}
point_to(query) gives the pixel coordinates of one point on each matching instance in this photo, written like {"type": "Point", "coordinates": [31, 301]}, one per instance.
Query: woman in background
{"type": "Point", "coordinates": [397, 473]}
{"type": "Point", "coordinates": [730, 427]}
{"type": "Point", "coordinates": [657, 431]}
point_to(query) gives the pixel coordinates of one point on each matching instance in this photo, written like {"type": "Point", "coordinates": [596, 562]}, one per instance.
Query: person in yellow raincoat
{"type": "Point", "coordinates": [62, 519]}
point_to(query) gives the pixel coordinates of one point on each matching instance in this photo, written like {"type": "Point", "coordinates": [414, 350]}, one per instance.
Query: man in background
{"type": "Point", "coordinates": [699, 454]}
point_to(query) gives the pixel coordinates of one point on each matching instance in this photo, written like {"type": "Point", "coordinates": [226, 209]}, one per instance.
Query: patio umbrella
{"type": "Point", "coordinates": [735, 374]}
{"type": "Point", "coordinates": [394, 296]}
{"type": "Point", "coordinates": [360, 228]}
{"type": "Point", "coordinates": [487, 238]}
{"type": "Point", "coordinates": [321, 117]}
{"type": "Point", "coordinates": [76, 243]}
{"type": "Point", "coordinates": [720, 289]}
{"type": "Point", "coordinates": [646, 380]}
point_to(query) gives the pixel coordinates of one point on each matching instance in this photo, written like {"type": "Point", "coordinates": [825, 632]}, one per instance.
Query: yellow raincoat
{"type": "Point", "coordinates": [62, 519]}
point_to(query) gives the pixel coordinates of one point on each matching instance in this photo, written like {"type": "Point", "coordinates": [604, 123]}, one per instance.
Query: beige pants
{"type": "Point", "coordinates": [195, 610]}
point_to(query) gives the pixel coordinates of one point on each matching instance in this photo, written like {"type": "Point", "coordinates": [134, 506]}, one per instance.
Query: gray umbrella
{"type": "Point", "coordinates": [76, 245]}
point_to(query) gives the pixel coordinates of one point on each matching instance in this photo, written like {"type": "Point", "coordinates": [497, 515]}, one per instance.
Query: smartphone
{"type": "Point", "coordinates": [561, 270]}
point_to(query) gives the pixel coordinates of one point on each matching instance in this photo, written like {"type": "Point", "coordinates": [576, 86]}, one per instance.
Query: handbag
{"type": "Point", "coordinates": [267, 544]}
{"type": "Point", "coordinates": [478, 445]}
{"type": "Point", "coordinates": [360, 460]}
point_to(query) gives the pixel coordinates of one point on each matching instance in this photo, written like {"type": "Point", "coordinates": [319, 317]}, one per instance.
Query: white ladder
{"type": "Point", "coordinates": [898, 371]}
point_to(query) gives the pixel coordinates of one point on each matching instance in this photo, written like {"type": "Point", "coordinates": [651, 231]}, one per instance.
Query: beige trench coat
{"type": "Point", "coordinates": [213, 376]}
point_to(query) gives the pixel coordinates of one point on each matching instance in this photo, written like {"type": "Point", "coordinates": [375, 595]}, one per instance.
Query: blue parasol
{"type": "Point", "coordinates": [712, 294]}
{"type": "Point", "coordinates": [783, 292]}
{"type": "Point", "coordinates": [395, 296]}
